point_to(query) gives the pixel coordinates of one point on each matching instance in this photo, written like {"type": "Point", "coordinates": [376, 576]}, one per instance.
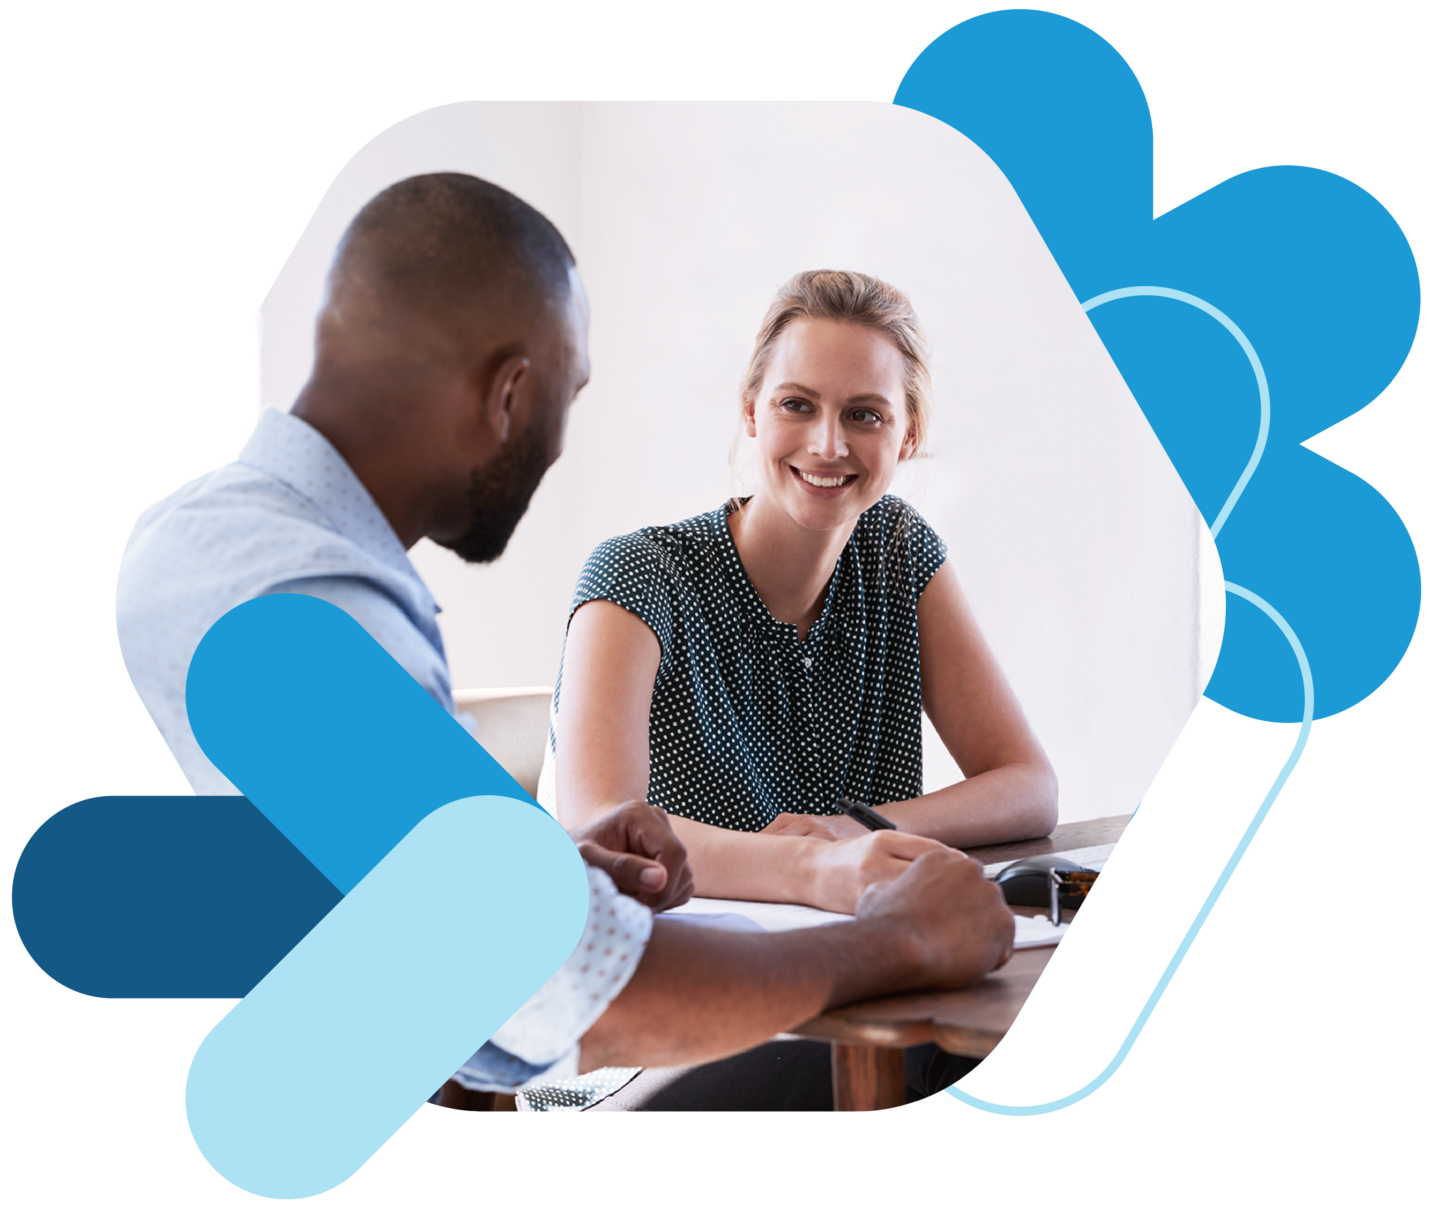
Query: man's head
{"type": "Point", "coordinates": [449, 348]}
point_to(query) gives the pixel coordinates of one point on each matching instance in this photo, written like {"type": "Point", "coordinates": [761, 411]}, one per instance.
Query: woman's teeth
{"type": "Point", "coordinates": [822, 481]}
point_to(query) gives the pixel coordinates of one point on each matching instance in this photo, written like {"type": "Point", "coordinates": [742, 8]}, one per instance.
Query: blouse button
{"type": "Point", "coordinates": [808, 662]}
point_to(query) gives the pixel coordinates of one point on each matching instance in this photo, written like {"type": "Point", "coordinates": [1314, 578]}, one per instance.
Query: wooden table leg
{"type": "Point", "coordinates": [867, 1078]}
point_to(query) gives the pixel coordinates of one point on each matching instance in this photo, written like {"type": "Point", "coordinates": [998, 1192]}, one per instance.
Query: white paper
{"type": "Point", "coordinates": [749, 916]}
{"type": "Point", "coordinates": [762, 915]}
{"type": "Point", "coordinates": [712, 921]}
{"type": "Point", "coordinates": [1036, 931]}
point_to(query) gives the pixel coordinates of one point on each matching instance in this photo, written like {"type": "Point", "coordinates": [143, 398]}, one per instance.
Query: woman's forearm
{"type": "Point", "coordinates": [1010, 791]}
{"type": "Point", "coordinates": [741, 866]}
{"type": "Point", "coordinates": [1007, 804]}
{"type": "Point", "coordinates": [793, 868]}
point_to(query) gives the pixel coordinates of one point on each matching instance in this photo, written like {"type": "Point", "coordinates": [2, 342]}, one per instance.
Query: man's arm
{"type": "Point", "coordinates": [700, 994]}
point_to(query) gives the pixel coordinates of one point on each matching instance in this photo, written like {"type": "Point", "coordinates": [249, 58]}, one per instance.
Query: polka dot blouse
{"type": "Point", "coordinates": [747, 721]}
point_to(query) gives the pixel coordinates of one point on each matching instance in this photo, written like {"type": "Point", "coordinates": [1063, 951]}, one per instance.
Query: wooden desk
{"type": "Point", "coordinates": [868, 1039]}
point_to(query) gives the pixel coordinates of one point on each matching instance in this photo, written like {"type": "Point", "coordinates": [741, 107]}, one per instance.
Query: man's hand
{"type": "Point", "coordinates": [836, 828]}
{"type": "Point", "coordinates": [635, 846]}
{"type": "Point", "coordinates": [958, 918]}
{"type": "Point", "coordinates": [842, 870]}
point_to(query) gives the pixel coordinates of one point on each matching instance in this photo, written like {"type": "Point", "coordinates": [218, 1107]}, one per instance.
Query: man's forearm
{"type": "Point", "coordinates": [701, 994]}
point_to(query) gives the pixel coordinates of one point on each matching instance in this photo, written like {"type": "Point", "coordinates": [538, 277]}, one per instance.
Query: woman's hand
{"type": "Point", "coordinates": [635, 846]}
{"type": "Point", "coordinates": [842, 870]}
{"type": "Point", "coordinates": [836, 828]}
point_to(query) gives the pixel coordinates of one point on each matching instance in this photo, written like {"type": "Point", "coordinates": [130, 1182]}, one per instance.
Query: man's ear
{"type": "Point", "coordinates": [503, 395]}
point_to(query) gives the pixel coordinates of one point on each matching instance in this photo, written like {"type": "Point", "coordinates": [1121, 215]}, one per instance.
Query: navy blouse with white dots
{"type": "Point", "coordinates": [747, 721]}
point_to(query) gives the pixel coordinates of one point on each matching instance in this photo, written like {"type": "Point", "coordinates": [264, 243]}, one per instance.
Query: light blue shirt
{"type": "Point", "coordinates": [288, 516]}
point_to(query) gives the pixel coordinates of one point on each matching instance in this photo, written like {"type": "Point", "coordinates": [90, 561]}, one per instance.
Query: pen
{"type": "Point", "coordinates": [863, 813]}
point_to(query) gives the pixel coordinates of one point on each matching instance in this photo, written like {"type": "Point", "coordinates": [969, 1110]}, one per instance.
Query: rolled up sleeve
{"type": "Point", "coordinates": [544, 1034]}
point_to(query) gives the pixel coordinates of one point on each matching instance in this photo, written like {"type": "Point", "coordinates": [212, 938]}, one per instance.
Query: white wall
{"type": "Point", "coordinates": [225, 421]}
{"type": "Point", "coordinates": [1079, 547]}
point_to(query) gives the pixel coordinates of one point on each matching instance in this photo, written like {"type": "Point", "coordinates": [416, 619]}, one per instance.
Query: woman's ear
{"type": "Point", "coordinates": [747, 413]}
{"type": "Point", "coordinates": [907, 447]}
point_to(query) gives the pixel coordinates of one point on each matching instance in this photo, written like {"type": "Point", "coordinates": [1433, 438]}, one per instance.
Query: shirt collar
{"type": "Point", "coordinates": [299, 456]}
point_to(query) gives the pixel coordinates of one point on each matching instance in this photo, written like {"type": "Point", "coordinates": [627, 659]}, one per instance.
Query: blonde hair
{"type": "Point", "coordinates": [851, 298]}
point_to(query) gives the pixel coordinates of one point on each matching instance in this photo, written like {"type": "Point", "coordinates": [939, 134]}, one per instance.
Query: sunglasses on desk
{"type": "Point", "coordinates": [1037, 883]}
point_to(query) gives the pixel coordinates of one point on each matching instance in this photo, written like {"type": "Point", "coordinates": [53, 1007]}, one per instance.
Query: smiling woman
{"type": "Point", "coordinates": [744, 669]}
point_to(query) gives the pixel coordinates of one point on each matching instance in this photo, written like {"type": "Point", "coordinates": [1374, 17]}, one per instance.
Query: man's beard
{"type": "Point", "coordinates": [500, 493]}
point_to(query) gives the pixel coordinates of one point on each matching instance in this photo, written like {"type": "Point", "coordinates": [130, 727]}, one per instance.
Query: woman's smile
{"type": "Point", "coordinates": [821, 483]}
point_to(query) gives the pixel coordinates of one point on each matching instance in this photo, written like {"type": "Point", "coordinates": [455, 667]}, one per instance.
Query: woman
{"type": "Point", "coordinates": [743, 669]}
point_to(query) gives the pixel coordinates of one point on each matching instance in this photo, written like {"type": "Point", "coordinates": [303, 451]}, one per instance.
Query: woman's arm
{"type": "Point", "coordinates": [602, 760]}
{"type": "Point", "coordinates": [1009, 791]}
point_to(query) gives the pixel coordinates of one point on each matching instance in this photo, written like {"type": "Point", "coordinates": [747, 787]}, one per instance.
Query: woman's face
{"type": "Point", "coordinates": [830, 421]}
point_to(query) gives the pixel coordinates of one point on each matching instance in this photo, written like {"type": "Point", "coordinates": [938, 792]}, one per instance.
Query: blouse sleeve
{"type": "Point", "coordinates": [632, 571]}
{"type": "Point", "coordinates": [927, 550]}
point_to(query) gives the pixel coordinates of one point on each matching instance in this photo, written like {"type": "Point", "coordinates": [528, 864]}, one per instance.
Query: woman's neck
{"type": "Point", "coordinates": [789, 566]}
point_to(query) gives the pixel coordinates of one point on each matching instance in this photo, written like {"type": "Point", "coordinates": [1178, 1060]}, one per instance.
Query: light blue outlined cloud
{"type": "Point", "coordinates": [1307, 693]}
{"type": "Point", "coordinates": [1262, 385]}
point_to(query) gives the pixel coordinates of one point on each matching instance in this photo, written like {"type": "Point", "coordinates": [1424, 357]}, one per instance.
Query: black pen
{"type": "Point", "coordinates": [863, 813]}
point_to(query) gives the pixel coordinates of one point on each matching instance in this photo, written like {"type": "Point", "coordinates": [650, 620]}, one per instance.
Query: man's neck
{"type": "Point", "coordinates": [382, 467]}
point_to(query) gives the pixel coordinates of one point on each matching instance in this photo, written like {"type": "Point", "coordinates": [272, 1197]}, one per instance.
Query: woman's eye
{"type": "Point", "coordinates": [866, 416]}
{"type": "Point", "coordinates": [794, 404]}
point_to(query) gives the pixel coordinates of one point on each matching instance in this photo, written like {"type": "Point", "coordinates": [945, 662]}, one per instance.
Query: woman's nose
{"type": "Point", "coordinates": [827, 438]}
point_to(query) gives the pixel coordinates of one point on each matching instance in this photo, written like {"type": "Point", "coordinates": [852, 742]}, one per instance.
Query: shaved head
{"type": "Point", "coordinates": [445, 248]}
{"type": "Point", "coordinates": [450, 346]}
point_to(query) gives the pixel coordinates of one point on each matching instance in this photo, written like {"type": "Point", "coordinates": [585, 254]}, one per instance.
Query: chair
{"type": "Point", "coordinates": [514, 726]}
{"type": "Point", "coordinates": [454, 1096]}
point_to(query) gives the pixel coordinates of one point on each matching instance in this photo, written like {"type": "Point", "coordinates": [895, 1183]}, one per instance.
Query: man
{"type": "Point", "coordinates": [450, 346]}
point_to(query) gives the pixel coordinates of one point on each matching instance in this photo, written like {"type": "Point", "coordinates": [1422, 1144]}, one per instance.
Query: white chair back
{"type": "Point", "coordinates": [514, 725]}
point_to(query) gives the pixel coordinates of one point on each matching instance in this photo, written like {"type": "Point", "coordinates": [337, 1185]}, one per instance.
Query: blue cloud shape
{"type": "Point", "coordinates": [1307, 268]}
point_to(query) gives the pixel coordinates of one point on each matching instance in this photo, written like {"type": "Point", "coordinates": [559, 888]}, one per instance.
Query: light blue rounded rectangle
{"type": "Point", "coordinates": [382, 1001]}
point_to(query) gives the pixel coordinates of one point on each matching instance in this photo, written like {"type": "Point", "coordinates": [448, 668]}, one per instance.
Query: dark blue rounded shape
{"type": "Point", "coordinates": [164, 896]}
